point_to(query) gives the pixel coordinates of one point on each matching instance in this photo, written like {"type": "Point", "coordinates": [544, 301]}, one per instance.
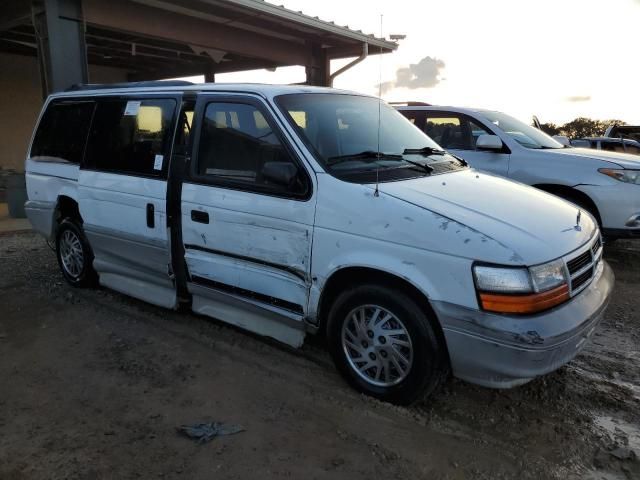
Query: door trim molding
{"type": "Point", "coordinates": [249, 294]}
{"type": "Point", "coordinates": [293, 271]}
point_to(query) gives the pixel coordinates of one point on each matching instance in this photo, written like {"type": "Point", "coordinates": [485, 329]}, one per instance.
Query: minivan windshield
{"type": "Point", "coordinates": [524, 134]}
{"type": "Point", "coordinates": [344, 133]}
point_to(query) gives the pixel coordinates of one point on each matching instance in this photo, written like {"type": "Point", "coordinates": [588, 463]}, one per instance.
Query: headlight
{"type": "Point", "coordinates": [547, 276]}
{"type": "Point", "coordinates": [521, 290]}
{"type": "Point", "coordinates": [506, 280]}
{"type": "Point", "coordinates": [626, 176]}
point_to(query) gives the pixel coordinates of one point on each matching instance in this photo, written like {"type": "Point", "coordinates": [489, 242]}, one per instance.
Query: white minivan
{"type": "Point", "coordinates": [606, 184]}
{"type": "Point", "coordinates": [289, 210]}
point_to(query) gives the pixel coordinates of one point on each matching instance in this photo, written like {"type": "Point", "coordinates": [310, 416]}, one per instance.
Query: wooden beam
{"type": "Point", "coordinates": [14, 13]}
{"type": "Point", "coordinates": [156, 23]}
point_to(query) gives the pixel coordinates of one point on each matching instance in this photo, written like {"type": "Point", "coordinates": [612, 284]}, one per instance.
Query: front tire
{"type": "Point", "coordinates": [75, 256]}
{"type": "Point", "coordinates": [385, 344]}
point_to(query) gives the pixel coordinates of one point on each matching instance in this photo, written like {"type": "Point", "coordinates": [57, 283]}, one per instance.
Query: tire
{"type": "Point", "coordinates": [75, 257]}
{"type": "Point", "coordinates": [417, 351]}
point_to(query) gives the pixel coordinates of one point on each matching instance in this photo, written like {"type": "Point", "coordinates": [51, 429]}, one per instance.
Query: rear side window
{"type": "Point", "coordinates": [62, 132]}
{"type": "Point", "coordinates": [131, 136]}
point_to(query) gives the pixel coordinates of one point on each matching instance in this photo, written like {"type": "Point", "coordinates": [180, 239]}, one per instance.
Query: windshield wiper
{"type": "Point", "coordinates": [423, 166]}
{"type": "Point", "coordinates": [371, 155]}
{"type": "Point", "coordinates": [424, 151]}
{"type": "Point", "coordinates": [366, 155]}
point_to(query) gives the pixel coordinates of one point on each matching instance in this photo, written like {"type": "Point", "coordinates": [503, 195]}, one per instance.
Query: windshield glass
{"type": "Point", "coordinates": [524, 134]}
{"type": "Point", "coordinates": [342, 130]}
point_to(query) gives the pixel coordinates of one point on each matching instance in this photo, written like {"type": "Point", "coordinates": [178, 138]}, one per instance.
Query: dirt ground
{"type": "Point", "coordinates": [93, 385]}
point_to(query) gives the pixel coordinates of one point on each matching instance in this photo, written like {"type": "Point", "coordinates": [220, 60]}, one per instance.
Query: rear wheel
{"type": "Point", "coordinates": [75, 256]}
{"type": "Point", "coordinates": [385, 345]}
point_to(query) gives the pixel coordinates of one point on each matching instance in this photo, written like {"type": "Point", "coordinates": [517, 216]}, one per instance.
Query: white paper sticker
{"type": "Point", "coordinates": [157, 165]}
{"type": "Point", "coordinates": [132, 108]}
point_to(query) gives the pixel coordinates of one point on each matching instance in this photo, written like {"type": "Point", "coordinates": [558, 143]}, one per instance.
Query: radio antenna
{"type": "Point", "coordinates": [376, 193]}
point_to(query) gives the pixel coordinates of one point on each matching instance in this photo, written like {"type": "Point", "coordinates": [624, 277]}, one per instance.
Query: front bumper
{"type": "Point", "coordinates": [501, 351]}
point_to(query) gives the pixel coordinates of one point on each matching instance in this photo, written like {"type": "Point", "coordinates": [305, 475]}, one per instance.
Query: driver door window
{"type": "Point", "coordinates": [236, 144]}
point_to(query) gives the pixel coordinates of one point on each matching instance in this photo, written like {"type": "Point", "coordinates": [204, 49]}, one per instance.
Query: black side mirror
{"type": "Point", "coordinates": [280, 173]}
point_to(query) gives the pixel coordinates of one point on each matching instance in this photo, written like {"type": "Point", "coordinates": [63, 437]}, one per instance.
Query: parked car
{"type": "Point", "coordinates": [606, 184]}
{"type": "Point", "coordinates": [286, 211]}
{"type": "Point", "coordinates": [621, 145]}
{"type": "Point", "coordinates": [630, 132]}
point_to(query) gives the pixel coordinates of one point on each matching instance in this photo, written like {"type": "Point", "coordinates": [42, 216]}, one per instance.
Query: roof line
{"type": "Point", "coordinates": [262, 6]}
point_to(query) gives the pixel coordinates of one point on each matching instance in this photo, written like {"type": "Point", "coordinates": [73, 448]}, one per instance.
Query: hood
{"type": "Point", "coordinates": [537, 226]}
{"type": "Point", "coordinates": [624, 160]}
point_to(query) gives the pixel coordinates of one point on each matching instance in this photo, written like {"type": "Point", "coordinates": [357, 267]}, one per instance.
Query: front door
{"type": "Point", "coordinates": [122, 194]}
{"type": "Point", "coordinates": [458, 134]}
{"type": "Point", "coordinates": [247, 218]}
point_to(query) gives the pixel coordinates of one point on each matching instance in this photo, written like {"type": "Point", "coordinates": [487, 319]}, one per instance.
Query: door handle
{"type": "Point", "coordinates": [199, 216]}
{"type": "Point", "coordinates": [151, 222]}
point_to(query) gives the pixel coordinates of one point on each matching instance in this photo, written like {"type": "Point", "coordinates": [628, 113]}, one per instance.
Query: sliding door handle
{"type": "Point", "coordinates": [151, 221]}
{"type": "Point", "coordinates": [199, 216]}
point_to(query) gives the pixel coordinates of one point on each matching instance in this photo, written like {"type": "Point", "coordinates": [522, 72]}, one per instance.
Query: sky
{"type": "Point", "coordinates": [557, 59]}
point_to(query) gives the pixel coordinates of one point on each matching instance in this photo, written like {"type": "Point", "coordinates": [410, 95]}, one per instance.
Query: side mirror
{"type": "Point", "coordinates": [280, 173]}
{"type": "Point", "coordinates": [562, 140]}
{"type": "Point", "coordinates": [488, 142]}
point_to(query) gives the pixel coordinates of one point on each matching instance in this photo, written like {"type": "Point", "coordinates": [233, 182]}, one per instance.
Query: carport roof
{"type": "Point", "coordinates": [162, 39]}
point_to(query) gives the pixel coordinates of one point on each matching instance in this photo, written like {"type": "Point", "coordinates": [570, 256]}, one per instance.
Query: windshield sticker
{"type": "Point", "coordinates": [132, 108]}
{"type": "Point", "coordinates": [157, 164]}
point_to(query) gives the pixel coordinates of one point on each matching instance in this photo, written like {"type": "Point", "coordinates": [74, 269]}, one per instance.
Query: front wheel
{"type": "Point", "coordinates": [385, 344]}
{"type": "Point", "coordinates": [75, 256]}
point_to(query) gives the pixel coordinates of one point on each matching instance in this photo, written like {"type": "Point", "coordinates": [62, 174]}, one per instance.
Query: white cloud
{"type": "Point", "coordinates": [424, 74]}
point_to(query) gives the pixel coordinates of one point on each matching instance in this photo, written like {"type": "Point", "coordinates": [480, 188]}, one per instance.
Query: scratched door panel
{"type": "Point", "coordinates": [257, 243]}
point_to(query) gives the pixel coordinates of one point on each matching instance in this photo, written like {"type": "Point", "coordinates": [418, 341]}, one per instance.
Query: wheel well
{"type": "Point", "coordinates": [572, 194]}
{"type": "Point", "coordinates": [347, 277]}
{"type": "Point", "coordinates": [67, 207]}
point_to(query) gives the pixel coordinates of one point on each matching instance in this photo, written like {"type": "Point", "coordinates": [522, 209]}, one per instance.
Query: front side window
{"type": "Point", "coordinates": [131, 136]}
{"type": "Point", "coordinates": [62, 132]}
{"type": "Point", "coordinates": [361, 137]}
{"type": "Point", "coordinates": [525, 135]}
{"type": "Point", "coordinates": [455, 132]}
{"type": "Point", "coordinates": [239, 148]}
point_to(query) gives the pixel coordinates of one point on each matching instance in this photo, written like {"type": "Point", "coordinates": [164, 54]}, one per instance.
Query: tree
{"type": "Point", "coordinates": [587, 127]}
{"type": "Point", "coordinates": [550, 128]}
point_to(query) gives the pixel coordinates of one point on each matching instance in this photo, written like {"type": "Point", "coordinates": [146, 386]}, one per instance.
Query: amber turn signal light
{"type": "Point", "coordinates": [529, 303]}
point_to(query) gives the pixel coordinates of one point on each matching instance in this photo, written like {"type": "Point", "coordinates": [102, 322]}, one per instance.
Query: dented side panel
{"type": "Point", "coordinates": [258, 244]}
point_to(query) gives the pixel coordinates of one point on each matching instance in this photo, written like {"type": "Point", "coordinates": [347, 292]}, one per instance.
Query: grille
{"type": "Point", "coordinates": [579, 262]}
{"type": "Point", "coordinates": [582, 267]}
{"type": "Point", "coordinates": [581, 279]}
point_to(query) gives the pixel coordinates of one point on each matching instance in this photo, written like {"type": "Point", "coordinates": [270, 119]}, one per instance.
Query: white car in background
{"type": "Point", "coordinates": [606, 184]}
{"type": "Point", "coordinates": [622, 145]}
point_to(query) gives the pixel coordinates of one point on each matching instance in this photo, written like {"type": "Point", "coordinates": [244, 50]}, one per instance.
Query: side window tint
{"type": "Point", "coordinates": [620, 148]}
{"type": "Point", "coordinates": [131, 136]}
{"type": "Point", "coordinates": [633, 149]}
{"type": "Point", "coordinates": [445, 131]}
{"type": "Point", "coordinates": [62, 132]}
{"type": "Point", "coordinates": [454, 132]}
{"type": "Point", "coordinates": [238, 147]}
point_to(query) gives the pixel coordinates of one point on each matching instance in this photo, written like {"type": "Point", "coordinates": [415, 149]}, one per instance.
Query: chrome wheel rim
{"type": "Point", "coordinates": [377, 345]}
{"type": "Point", "coordinates": [71, 253]}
